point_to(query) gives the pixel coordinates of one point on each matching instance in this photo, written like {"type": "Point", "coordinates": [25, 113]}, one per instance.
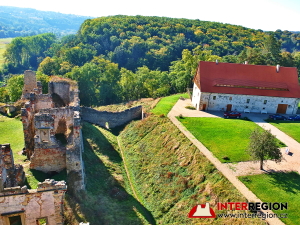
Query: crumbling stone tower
{"type": "Point", "coordinates": [11, 174]}
{"type": "Point", "coordinates": [52, 130]}
{"type": "Point", "coordinates": [30, 84]}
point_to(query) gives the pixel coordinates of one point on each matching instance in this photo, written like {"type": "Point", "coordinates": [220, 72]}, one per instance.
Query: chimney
{"type": "Point", "coordinates": [217, 62]}
{"type": "Point", "coordinates": [246, 62]}
{"type": "Point", "coordinates": [277, 68]}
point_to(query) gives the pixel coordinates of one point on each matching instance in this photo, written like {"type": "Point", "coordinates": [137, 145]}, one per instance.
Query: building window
{"type": "Point", "coordinates": [265, 101]}
{"type": "Point", "coordinates": [42, 221]}
{"type": "Point", "coordinates": [230, 98]}
{"type": "Point", "coordinates": [15, 220]}
{"type": "Point", "coordinates": [214, 97]}
{"type": "Point", "coordinates": [248, 100]}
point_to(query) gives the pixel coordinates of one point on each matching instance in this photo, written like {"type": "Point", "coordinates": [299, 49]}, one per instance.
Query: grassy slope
{"type": "Point", "coordinates": [224, 137]}
{"type": "Point", "coordinates": [171, 175]}
{"type": "Point", "coordinates": [285, 188]}
{"type": "Point", "coordinates": [165, 104]}
{"type": "Point", "coordinates": [3, 44]}
{"type": "Point", "coordinates": [108, 199]}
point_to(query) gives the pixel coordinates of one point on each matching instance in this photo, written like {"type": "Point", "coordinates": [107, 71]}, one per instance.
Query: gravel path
{"type": "Point", "coordinates": [230, 171]}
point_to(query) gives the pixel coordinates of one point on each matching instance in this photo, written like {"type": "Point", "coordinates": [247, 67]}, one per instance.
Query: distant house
{"type": "Point", "coordinates": [246, 88]}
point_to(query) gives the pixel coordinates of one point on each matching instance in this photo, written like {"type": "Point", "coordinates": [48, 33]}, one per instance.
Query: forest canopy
{"type": "Point", "coordinates": [121, 58]}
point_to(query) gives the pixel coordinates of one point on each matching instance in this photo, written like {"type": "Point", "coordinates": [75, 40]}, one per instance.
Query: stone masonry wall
{"type": "Point", "coordinates": [113, 119]}
{"type": "Point", "coordinates": [48, 160]}
{"type": "Point", "coordinates": [29, 83]}
{"type": "Point", "coordinates": [62, 89]}
{"type": "Point", "coordinates": [44, 202]}
{"type": "Point", "coordinates": [11, 174]}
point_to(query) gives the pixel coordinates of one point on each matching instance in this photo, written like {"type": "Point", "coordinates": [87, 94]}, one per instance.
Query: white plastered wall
{"type": "Point", "coordinates": [219, 102]}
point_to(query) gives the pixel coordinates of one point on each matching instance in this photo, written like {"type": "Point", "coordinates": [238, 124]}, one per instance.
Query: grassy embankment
{"type": "Point", "coordinates": [227, 139]}
{"type": "Point", "coordinates": [277, 187]}
{"type": "Point", "coordinates": [170, 175]}
{"type": "Point", "coordinates": [108, 199]}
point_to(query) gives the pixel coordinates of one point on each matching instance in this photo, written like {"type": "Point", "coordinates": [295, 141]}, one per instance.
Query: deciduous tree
{"type": "Point", "coordinates": [263, 146]}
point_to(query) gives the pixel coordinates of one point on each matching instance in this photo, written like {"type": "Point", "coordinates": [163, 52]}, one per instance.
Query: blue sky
{"type": "Point", "coordinates": [268, 15]}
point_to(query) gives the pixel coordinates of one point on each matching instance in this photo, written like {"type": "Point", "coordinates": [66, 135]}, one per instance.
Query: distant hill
{"type": "Point", "coordinates": [15, 22]}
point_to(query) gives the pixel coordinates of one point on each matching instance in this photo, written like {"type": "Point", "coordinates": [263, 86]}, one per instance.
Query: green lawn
{"type": "Point", "coordinates": [277, 187]}
{"type": "Point", "coordinates": [11, 131]}
{"type": "Point", "coordinates": [291, 128]}
{"type": "Point", "coordinates": [166, 104]}
{"type": "Point", "coordinates": [223, 137]}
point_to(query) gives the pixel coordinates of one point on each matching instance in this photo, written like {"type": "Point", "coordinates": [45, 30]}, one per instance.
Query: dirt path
{"type": "Point", "coordinates": [179, 108]}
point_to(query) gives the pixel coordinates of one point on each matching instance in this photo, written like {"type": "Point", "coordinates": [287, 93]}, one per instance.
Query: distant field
{"type": "Point", "coordinates": [223, 137]}
{"type": "Point", "coordinates": [3, 44]}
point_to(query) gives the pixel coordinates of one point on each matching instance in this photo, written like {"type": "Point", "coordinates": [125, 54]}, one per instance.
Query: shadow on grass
{"type": "Point", "coordinates": [105, 200]}
{"type": "Point", "coordinates": [289, 182]}
{"type": "Point", "coordinates": [117, 130]}
{"type": "Point", "coordinates": [281, 121]}
{"type": "Point", "coordinates": [40, 176]}
{"type": "Point", "coordinates": [99, 143]}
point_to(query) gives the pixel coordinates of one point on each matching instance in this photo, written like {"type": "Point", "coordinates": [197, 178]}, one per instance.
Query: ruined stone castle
{"type": "Point", "coordinates": [53, 142]}
{"type": "Point", "coordinates": [52, 129]}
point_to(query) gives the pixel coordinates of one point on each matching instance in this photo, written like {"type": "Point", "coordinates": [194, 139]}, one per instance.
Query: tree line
{"type": "Point", "coordinates": [123, 58]}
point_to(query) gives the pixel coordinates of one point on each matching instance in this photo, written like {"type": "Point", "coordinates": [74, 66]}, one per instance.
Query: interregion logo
{"type": "Point", "coordinates": [205, 211]}
{"type": "Point", "coordinates": [202, 211]}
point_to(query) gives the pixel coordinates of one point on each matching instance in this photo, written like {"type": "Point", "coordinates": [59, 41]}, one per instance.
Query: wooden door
{"type": "Point", "coordinates": [204, 107]}
{"type": "Point", "coordinates": [228, 107]}
{"type": "Point", "coordinates": [281, 108]}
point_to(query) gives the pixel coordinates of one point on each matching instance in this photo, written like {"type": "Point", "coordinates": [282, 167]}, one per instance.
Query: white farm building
{"type": "Point", "coordinates": [246, 88]}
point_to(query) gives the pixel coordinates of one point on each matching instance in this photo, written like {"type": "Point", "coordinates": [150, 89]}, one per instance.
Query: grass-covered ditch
{"type": "Point", "coordinates": [170, 174]}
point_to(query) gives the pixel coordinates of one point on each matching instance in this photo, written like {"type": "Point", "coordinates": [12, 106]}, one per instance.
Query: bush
{"type": "Point", "coordinates": [190, 107]}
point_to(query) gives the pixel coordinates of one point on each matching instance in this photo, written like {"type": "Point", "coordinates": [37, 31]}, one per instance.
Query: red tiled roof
{"type": "Point", "coordinates": [245, 79]}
